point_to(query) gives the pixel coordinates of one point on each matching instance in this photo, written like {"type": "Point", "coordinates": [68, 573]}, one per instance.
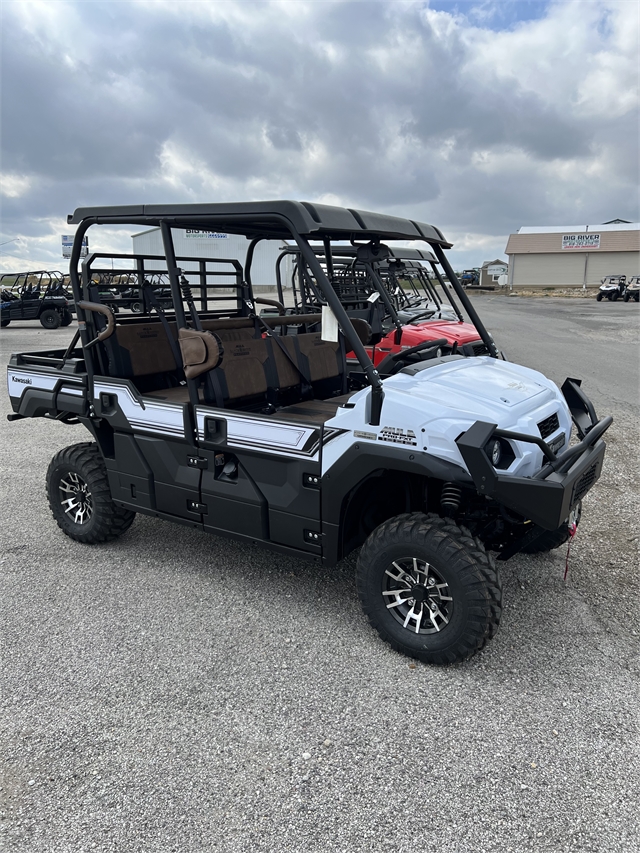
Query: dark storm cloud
{"type": "Point", "coordinates": [377, 104]}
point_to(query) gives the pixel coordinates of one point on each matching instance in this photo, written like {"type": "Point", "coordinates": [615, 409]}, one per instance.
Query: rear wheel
{"type": "Point", "coordinates": [136, 307]}
{"type": "Point", "coordinates": [5, 323]}
{"type": "Point", "coordinates": [429, 588]}
{"type": "Point", "coordinates": [50, 318]}
{"type": "Point", "coordinates": [80, 498]}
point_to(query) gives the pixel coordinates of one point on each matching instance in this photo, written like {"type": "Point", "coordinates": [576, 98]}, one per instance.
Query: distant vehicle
{"type": "Point", "coordinates": [121, 290]}
{"type": "Point", "coordinates": [633, 289]}
{"type": "Point", "coordinates": [612, 288]}
{"type": "Point", "coordinates": [39, 295]}
{"type": "Point", "coordinates": [470, 278]}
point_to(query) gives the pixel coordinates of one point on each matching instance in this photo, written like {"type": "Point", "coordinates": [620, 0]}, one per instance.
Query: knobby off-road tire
{"type": "Point", "coordinates": [50, 319]}
{"type": "Point", "coordinates": [79, 496]}
{"type": "Point", "coordinates": [67, 318]}
{"type": "Point", "coordinates": [429, 588]}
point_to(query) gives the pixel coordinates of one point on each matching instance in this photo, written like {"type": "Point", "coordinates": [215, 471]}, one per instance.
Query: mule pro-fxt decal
{"type": "Point", "coordinates": [397, 435]}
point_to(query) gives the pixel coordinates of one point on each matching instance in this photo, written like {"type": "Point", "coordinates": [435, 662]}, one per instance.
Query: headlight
{"type": "Point", "coordinates": [500, 452]}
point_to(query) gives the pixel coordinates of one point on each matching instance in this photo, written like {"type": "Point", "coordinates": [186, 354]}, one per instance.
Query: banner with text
{"type": "Point", "coordinates": [193, 234]}
{"type": "Point", "coordinates": [67, 245]}
{"type": "Point", "coordinates": [580, 241]}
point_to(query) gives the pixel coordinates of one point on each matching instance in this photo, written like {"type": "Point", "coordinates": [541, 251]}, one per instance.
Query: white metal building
{"type": "Point", "coordinates": [572, 255]}
{"type": "Point", "coordinates": [212, 244]}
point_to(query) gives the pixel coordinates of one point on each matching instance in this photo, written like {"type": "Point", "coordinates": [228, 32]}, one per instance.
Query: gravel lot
{"type": "Point", "coordinates": [172, 691]}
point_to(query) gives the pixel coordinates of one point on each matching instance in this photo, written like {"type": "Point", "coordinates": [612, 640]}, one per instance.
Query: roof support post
{"type": "Point", "coordinates": [377, 392]}
{"type": "Point", "coordinates": [445, 290]}
{"type": "Point", "coordinates": [174, 272]}
{"type": "Point", "coordinates": [462, 296]}
{"type": "Point", "coordinates": [379, 286]}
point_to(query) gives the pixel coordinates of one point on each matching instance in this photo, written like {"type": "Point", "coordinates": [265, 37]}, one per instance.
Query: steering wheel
{"type": "Point", "coordinates": [395, 362]}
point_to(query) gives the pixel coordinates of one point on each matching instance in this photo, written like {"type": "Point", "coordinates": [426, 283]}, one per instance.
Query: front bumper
{"type": "Point", "coordinates": [547, 498]}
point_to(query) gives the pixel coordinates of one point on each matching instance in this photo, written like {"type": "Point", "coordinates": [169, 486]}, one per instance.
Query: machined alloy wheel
{"type": "Point", "coordinates": [80, 497]}
{"type": "Point", "coordinates": [75, 498]}
{"type": "Point", "coordinates": [417, 596]}
{"type": "Point", "coordinates": [136, 307]}
{"type": "Point", "coordinates": [429, 588]}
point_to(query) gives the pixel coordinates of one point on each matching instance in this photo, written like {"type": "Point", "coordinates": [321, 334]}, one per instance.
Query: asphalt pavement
{"type": "Point", "coordinates": [172, 691]}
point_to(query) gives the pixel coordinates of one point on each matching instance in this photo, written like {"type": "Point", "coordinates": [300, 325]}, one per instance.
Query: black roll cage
{"type": "Point", "coordinates": [229, 219]}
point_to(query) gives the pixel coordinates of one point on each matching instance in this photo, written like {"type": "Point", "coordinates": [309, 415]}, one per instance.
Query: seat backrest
{"type": "Point", "coordinates": [243, 371]}
{"type": "Point", "coordinates": [140, 349]}
{"type": "Point", "coordinates": [323, 362]}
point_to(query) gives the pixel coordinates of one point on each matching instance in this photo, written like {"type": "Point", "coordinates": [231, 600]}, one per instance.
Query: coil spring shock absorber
{"type": "Point", "coordinates": [450, 498]}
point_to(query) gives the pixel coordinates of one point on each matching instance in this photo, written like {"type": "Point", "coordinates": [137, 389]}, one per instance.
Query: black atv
{"type": "Point", "coordinates": [37, 295]}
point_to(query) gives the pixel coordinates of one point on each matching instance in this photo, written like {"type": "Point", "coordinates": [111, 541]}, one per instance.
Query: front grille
{"type": "Point", "coordinates": [480, 348]}
{"type": "Point", "coordinates": [585, 482]}
{"type": "Point", "coordinates": [549, 425]}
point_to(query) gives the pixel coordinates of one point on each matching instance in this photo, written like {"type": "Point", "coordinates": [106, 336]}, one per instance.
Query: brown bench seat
{"type": "Point", "coordinates": [255, 371]}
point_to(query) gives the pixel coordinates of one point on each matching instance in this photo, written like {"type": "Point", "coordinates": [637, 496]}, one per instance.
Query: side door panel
{"type": "Point", "coordinates": [275, 495]}
{"type": "Point", "coordinates": [153, 451]}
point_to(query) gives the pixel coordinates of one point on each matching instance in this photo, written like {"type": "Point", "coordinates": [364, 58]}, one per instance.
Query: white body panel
{"type": "Point", "coordinates": [431, 409]}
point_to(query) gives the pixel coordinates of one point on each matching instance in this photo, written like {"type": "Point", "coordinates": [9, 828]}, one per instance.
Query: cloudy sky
{"type": "Point", "coordinates": [478, 117]}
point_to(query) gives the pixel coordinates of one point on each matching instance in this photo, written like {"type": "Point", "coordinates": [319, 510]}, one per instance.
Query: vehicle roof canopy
{"type": "Point", "coordinates": [400, 253]}
{"type": "Point", "coordinates": [268, 219]}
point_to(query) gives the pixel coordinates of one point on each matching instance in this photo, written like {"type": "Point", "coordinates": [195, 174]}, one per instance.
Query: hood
{"type": "Point", "coordinates": [430, 330]}
{"type": "Point", "coordinates": [481, 386]}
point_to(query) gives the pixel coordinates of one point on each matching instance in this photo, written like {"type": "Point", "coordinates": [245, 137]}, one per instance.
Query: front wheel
{"type": "Point", "coordinates": [80, 498]}
{"type": "Point", "coordinates": [429, 588]}
{"type": "Point", "coordinates": [5, 323]}
{"type": "Point", "coordinates": [136, 307]}
{"type": "Point", "coordinates": [599, 297]}
{"type": "Point", "coordinates": [614, 296]}
{"type": "Point", "coordinates": [67, 318]}
{"type": "Point", "coordinates": [50, 319]}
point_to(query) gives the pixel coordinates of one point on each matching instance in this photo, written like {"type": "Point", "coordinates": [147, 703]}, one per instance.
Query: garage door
{"type": "Point", "coordinates": [611, 263]}
{"type": "Point", "coordinates": [553, 270]}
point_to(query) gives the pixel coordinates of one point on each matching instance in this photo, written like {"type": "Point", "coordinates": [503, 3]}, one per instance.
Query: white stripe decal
{"type": "Point", "coordinates": [255, 433]}
{"type": "Point", "coordinates": [18, 380]}
{"type": "Point", "coordinates": [163, 418]}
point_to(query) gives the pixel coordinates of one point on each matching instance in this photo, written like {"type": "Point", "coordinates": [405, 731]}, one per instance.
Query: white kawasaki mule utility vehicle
{"type": "Point", "coordinates": [255, 428]}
